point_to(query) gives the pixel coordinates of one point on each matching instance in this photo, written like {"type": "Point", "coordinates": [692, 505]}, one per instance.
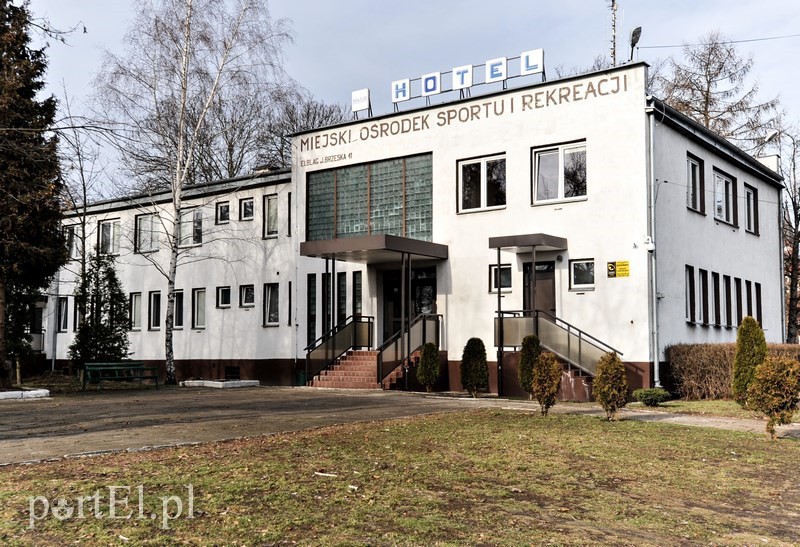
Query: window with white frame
{"type": "Point", "coordinates": [271, 302]}
{"type": "Point", "coordinates": [482, 183]}
{"type": "Point", "coordinates": [198, 308]}
{"type": "Point", "coordinates": [146, 233]}
{"type": "Point", "coordinates": [223, 212]}
{"type": "Point", "coordinates": [136, 310]}
{"type": "Point", "coordinates": [247, 296]}
{"type": "Point", "coordinates": [559, 173]}
{"type": "Point", "coordinates": [154, 313]}
{"type": "Point", "coordinates": [74, 242]}
{"type": "Point", "coordinates": [223, 297]}
{"type": "Point", "coordinates": [581, 274]}
{"type": "Point", "coordinates": [690, 294]}
{"type": "Point", "coordinates": [724, 198]}
{"type": "Point", "coordinates": [695, 184]}
{"type": "Point", "coordinates": [246, 209]}
{"type": "Point", "coordinates": [63, 313]}
{"type": "Point", "coordinates": [177, 318]}
{"type": "Point", "coordinates": [270, 216]}
{"type": "Point", "coordinates": [191, 227]}
{"type": "Point", "coordinates": [750, 209]}
{"type": "Point", "coordinates": [109, 237]}
{"type": "Point", "coordinates": [500, 278]}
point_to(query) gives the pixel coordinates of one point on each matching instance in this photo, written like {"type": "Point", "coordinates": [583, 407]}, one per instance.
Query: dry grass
{"type": "Point", "coordinates": [482, 477]}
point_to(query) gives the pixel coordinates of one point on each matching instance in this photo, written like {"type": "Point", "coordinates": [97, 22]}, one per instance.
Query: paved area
{"type": "Point", "coordinates": [93, 422]}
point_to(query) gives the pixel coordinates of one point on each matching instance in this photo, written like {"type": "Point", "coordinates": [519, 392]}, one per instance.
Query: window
{"type": "Point", "coordinates": [289, 306]}
{"type": "Point", "coordinates": [482, 183]}
{"type": "Point", "coordinates": [77, 316]}
{"type": "Point", "coordinates": [715, 296]}
{"type": "Point", "coordinates": [748, 289]}
{"type": "Point", "coordinates": [271, 315]}
{"type": "Point", "coordinates": [178, 315]}
{"type": "Point", "coordinates": [74, 242]}
{"type": "Point", "coordinates": [223, 214]}
{"type": "Point", "coordinates": [726, 283]}
{"type": "Point", "coordinates": [503, 280]}
{"type": "Point", "coordinates": [109, 237]}
{"type": "Point", "coordinates": [198, 308]}
{"type": "Point", "coordinates": [246, 210]}
{"type": "Point", "coordinates": [739, 308]}
{"type": "Point", "coordinates": [136, 310]}
{"type": "Point", "coordinates": [154, 315]}
{"type": "Point", "coordinates": [356, 293]}
{"type": "Point", "coordinates": [191, 228]}
{"type": "Point", "coordinates": [581, 274]}
{"type": "Point", "coordinates": [63, 317]}
{"type": "Point", "coordinates": [758, 302]}
{"type": "Point", "coordinates": [247, 296]}
{"type": "Point", "coordinates": [146, 233]}
{"type": "Point", "coordinates": [289, 215]}
{"type": "Point", "coordinates": [695, 184]}
{"type": "Point", "coordinates": [751, 209]}
{"type": "Point", "coordinates": [223, 297]}
{"type": "Point", "coordinates": [270, 216]}
{"type": "Point", "coordinates": [341, 297]}
{"type": "Point", "coordinates": [725, 198]}
{"type": "Point", "coordinates": [326, 303]}
{"type": "Point", "coordinates": [690, 299]}
{"type": "Point", "coordinates": [311, 308]}
{"type": "Point", "coordinates": [703, 294]}
{"type": "Point", "coordinates": [560, 173]}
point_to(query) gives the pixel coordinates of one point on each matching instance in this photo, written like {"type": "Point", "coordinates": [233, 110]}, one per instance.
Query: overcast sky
{"type": "Point", "coordinates": [343, 45]}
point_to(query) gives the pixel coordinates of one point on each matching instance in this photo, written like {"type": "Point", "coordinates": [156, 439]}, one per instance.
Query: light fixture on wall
{"type": "Point", "coordinates": [559, 258]}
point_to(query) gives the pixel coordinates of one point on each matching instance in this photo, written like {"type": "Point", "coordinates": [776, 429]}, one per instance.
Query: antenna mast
{"type": "Point", "coordinates": [613, 32]}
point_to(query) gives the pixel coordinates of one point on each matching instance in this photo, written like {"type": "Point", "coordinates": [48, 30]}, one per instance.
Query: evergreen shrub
{"type": "Point", "coordinates": [428, 369]}
{"type": "Point", "coordinates": [751, 350]}
{"type": "Point", "coordinates": [652, 396]}
{"type": "Point", "coordinates": [775, 391]}
{"type": "Point", "coordinates": [527, 359]}
{"type": "Point", "coordinates": [546, 380]}
{"type": "Point", "coordinates": [610, 387]}
{"type": "Point", "coordinates": [474, 368]}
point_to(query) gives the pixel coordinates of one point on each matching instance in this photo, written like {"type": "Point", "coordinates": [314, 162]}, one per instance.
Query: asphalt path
{"type": "Point", "coordinates": [106, 421]}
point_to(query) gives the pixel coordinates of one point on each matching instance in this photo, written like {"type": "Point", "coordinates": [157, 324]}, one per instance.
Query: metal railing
{"type": "Point", "coordinates": [567, 341]}
{"type": "Point", "coordinates": [353, 332]}
{"type": "Point", "coordinates": [423, 329]}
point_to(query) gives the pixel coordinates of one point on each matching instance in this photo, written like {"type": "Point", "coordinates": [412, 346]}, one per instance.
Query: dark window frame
{"type": "Point", "coordinates": [242, 203]}
{"type": "Point", "coordinates": [754, 229]}
{"type": "Point", "coordinates": [690, 295]}
{"type": "Point", "coordinates": [217, 219]}
{"type": "Point", "coordinates": [221, 290]}
{"type": "Point", "coordinates": [154, 310]}
{"type": "Point", "coordinates": [699, 193]}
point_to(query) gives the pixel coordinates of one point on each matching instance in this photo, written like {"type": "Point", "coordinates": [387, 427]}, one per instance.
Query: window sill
{"type": "Point", "coordinates": [198, 329]}
{"type": "Point", "coordinates": [698, 211]}
{"type": "Point", "coordinates": [271, 325]}
{"type": "Point", "coordinates": [154, 329]}
{"type": "Point", "coordinates": [133, 329]}
{"type": "Point", "coordinates": [481, 210]}
{"type": "Point", "coordinates": [270, 236]}
{"type": "Point", "coordinates": [502, 291]}
{"type": "Point", "coordinates": [541, 203]}
{"type": "Point", "coordinates": [726, 223]}
{"type": "Point", "coordinates": [146, 252]}
{"type": "Point", "coordinates": [581, 289]}
{"type": "Point", "coordinates": [191, 245]}
{"type": "Point", "coordinates": [247, 219]}
{"type": "Point", "coordinates": [223, 307]}
{"type": "Point", "coordinates": [752, 232]}
{"type": "Point", "coordinates": [221, 222]}
{"type": "Point", "coordinates": [247, 305]}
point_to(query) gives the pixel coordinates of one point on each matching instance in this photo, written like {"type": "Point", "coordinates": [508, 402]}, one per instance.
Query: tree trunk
{"type": "Point", "coordinates": [792, 312]}
{"type": "Point", "coordinates": [169, 321]}
{"type": "Point", "coordinates": [5, 365]}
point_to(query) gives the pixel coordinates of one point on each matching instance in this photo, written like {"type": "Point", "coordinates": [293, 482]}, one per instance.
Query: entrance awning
{"type": "Point", "coordinates": [524, 243]}
{"type": "Point", "coordinates": [374, 249]}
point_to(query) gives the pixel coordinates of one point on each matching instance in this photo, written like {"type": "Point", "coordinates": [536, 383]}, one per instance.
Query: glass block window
{"type": "Point", "coordinates": [386, 198]}
{"type": "Point", "coordinates": [369, 199]}
{"type": "Point", "coordinates": [351, 201]}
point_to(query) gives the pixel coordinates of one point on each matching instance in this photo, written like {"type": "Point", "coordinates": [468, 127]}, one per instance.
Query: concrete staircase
{"type": "Point", "coordinates": [355, 370]}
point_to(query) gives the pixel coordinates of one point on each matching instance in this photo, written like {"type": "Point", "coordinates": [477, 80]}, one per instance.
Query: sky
{"type": "Point", "coordinates": [344, 45]}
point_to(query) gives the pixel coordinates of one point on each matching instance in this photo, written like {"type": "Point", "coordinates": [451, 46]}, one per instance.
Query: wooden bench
{"type": "Point", "coordinates": [122, 371]}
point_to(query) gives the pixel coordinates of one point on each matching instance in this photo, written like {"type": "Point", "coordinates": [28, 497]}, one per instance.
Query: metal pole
{"type": "Point", "coordinates": [403, 316]}
{"type": "Point", "coordinates": [500, 333]}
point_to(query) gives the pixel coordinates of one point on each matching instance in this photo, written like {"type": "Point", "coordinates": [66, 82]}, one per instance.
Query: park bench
{"type": "Point", "coordinates": [122, 371]}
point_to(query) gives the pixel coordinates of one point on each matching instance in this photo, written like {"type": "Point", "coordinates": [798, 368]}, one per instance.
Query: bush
{"type": "Point", "coordinates": [751, 350]}
{"type": "Point", "coordinates": [651, 397]}
{"type": "Point", "coordinates": [610, 388]}
{"type": "Point", "coordinates": [705, 371]}
{"type": "Point", "coordinates": [474, 369]}
{"type": "Point", "coordinates": [527, 359]}
{"type": "Point", "coordinates": [546, 379]}
{"type": "Point", "coordinates": [774, 391]}
{"type": "Point", "coordinates": [428, 369]}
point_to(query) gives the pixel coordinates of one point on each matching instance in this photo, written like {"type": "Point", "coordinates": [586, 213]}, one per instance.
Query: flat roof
{"type": "Point", "coordinates": [374, 249]}
{"type": "Point", "coordinates": [524, 242]}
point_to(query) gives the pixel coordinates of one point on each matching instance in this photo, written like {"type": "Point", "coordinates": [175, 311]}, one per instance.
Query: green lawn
{"type": "Point", "coordinates": [492, 477]}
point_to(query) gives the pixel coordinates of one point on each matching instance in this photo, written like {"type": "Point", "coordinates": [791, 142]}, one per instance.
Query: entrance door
{"type": "Point", "coordinates": [545, 292]}
{"type": "Point", "coordinates": [422, 298]}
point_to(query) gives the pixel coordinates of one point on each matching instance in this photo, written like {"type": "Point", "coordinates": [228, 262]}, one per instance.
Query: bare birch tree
{"type": "Point", "coordinates": [711, 86]}
{"type": "Point", "coordinates": [183, 57]}
{"type": "Point", "coordinates": [791, 229]}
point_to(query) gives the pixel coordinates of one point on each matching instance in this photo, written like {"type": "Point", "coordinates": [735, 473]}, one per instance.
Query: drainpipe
{"type": "Point", "coordinates": [651, 233]}
{"type": "Point", "coordinates": [55, 324]}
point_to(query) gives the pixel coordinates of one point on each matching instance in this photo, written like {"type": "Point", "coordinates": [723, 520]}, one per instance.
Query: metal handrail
{"type": "Point", "coordinates": [398, 337]}
{"type": "Point", "coordinates": [557, 321]}
{"type": "Point", "coordinates": [338, 341]}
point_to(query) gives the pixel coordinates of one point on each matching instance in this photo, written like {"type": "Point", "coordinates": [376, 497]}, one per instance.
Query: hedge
{"type": "Point", "coordinates": [705, 371]}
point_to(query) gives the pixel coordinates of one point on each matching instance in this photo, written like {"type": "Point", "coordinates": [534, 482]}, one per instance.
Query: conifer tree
{"type": "Point", "coordinates": [31, 245]}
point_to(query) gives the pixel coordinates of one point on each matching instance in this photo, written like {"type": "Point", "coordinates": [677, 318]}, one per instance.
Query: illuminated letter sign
{"type": "Point", "coordinates": [401, 90]}
{"type": "Point", "coordinates": [496, 70]}
{"type": "Point", "coordinates": [531, 62]}
{"type": "Point", "coordinates": [431, 84]}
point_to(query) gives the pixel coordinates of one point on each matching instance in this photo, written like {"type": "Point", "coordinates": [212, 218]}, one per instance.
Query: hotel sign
{"type": "Point", "coordinates": [495, 70]}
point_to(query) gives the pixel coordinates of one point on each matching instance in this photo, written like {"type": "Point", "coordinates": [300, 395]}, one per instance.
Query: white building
{"type": "Point", "coordinates": [627, 225]}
